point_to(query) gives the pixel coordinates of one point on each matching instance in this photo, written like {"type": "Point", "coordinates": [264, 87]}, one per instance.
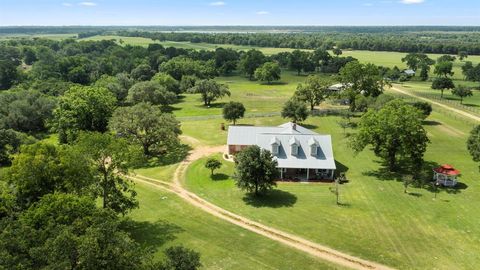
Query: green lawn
{"type": "Point", "coordinates": [378, 221]}
{"type": "Point", "coordinates": [164, 220]}
{"type": "Point", "coordinates": [425, 88]}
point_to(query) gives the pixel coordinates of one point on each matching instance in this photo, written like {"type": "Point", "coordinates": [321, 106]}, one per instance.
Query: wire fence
{"type": "Point", "coordinates": [453, 102]}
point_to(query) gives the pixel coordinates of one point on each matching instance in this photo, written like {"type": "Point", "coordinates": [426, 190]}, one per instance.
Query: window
{"type": "Point", "coordinates": [275, 149]}
{"type": "Point", "coordinates": [294, 149]}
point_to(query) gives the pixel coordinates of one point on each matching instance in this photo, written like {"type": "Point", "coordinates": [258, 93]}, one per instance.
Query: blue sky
{"type": "Point", "coordinates": [237, 12]}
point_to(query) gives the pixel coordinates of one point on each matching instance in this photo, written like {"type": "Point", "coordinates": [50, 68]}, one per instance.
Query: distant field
{"type": "Point", "coordinates": [387, 59]}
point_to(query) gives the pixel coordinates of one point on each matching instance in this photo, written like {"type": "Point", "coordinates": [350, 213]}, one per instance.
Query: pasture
{"type": "Point", "coordinates": [376, 220]}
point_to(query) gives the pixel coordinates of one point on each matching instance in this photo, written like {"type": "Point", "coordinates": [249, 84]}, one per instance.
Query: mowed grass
{"type": "Point", "coordinates": [257, 97]}
{"type": "Point", "coordinates": [165, 220]}
{"type": "Point", "coordinates": [425, 88]}
{"type": "Point", "coordinates": [377, 220]}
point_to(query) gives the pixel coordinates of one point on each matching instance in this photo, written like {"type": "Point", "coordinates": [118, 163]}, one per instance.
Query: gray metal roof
{"type": "Point", "coordinates": [284, 135]}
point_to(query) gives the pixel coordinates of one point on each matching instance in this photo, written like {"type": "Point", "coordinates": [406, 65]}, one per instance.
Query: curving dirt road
{"type": "Point", "coordinates": [464, 113]}
{"type": "Point", "coordinates": [320, 251]}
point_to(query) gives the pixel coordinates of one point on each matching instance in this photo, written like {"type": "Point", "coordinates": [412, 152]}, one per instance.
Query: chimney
{"type": "Point", "coordinates": [294, 126]}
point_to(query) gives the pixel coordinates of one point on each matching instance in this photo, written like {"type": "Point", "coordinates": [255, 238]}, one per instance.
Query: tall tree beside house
{"type": "Point", "coordinates": [233, 111]}
{"type": "Point", "coordinates": [313, 91]}
{"type": "Point", "coordinates": [395, 131]}
{"type": "Point", "coordinates": [83, 108]}
{"type": "Point", "coordinates": [462, 92]}
{"type": "Point", "coordinates": [295, 110]}
{"type": "Point", "coordinates": [110, 158]}
{"type": "Point", "coordinates": [250, 61]}
{"type": "Point", "coordinates": [473, 144]}
{"type": "Point", "coordinates": [256, 170]}
{"type": "Point", "coordinates": [147, 126]}
{"type": "Point", "coordinates": [210, 90]}
{"type": "Point", "coordinates": [213, 164]}
{"type": "Point", "coordinates": [268, 72]}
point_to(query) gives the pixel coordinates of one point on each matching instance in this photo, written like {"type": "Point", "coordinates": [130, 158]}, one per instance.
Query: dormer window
{"type": "Point", "coordinates": [294, 149]}
{"type": "Point", "coordinates": [275, 145]}
{"type": "Point", "coordinates": [313, 146]}
{"type": "Point", "coordinates": [294, 145]}
{"type": "Point", "coordinates": [275, 149]}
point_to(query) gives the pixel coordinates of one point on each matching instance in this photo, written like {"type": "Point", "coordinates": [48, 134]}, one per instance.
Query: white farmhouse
{"type": "Point", "coordinates": [301, 153]}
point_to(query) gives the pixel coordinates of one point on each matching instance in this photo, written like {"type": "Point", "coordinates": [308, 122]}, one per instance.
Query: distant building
{"type": "Point", "coordinates": [301, 153]}
{"type": "Point", "coordinates": [409, 72]}
{"type": "Point", "coordinates": [336, 88]}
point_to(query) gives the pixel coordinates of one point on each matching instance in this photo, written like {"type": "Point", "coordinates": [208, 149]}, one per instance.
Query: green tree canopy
{"type": "Point", "coordinates": [268, 72]}
{"type": "Point", "coordinates": [473, 144]}
{"type": "Point", "coordinates": [213, 164]}
{"type": "Point", "coordinates": [147, 126]}
{"type": "Point", "coordinates": [86, 108]}
{"type": "Point", "coordinates": [152, 92]}
{"type": "Point", "coordinates": [255, 170]}
{"type": "Point", "coordinates": [313, 91]}
{"type": "Point", "coordinates": [210, 90]}
{"type": "Point", "coordinates": [233, 111]}
{"type": "Point", "coordinates": [442, 83]}
{"type": "Point", "coordinates": [395, 131]}
{"type": "Point", "coordinates": [462, 92]}
{"type": "Point", "coordinates": [295, 110]}
{"type": "Point", "coordinates": [110, 159]}
{"type": "Point", "coordinates": [250, 61]}
{"type": "Point", "coordinates": [168, 82]}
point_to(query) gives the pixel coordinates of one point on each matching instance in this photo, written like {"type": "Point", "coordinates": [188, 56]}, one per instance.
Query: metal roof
{"type": "Point", "coordinates": [283, 135]}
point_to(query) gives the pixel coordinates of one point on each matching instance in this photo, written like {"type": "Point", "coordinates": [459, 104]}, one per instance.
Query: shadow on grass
{"type": "Point", "coordinates": [309, 126]}
{"type": "Point", "coordinates": [431, 123]}
{"type": "Point", "coordinates": [212, 105]}
{"type": "Point", "coordinates": [414, 194]}
{"type": "Point", "coordinates": [273, 199]}
{"type": "Point", "coordinates": [174, 155]}
{"type": "Point", "coordinates": [219, 177]}
{"type": "Point", "coordinates": [151, 234]}
{"type": "Point", "coordinates": [275, 83]}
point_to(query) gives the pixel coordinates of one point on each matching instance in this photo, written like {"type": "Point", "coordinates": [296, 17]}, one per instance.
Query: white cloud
{"type": "Point", "coordinates": [217, 4]}
{"type": "Point", "coordinates": [410, 2]}
{"type": "Point", "coordinates": [263, 12]}
{"type": "Point", "coordinates": [67, 4]}
{"type": "Point", "coordinates": [87, 4]}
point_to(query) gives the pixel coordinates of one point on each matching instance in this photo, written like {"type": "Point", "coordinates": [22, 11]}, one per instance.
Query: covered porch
{"type": "Point", "coordinates": [304, 174]}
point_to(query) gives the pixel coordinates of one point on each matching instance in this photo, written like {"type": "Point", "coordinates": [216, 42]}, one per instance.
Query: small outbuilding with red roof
{"type": "Point", "coordinates": [446, 175]}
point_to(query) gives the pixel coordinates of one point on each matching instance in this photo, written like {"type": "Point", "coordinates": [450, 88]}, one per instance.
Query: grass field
{"type": "Point", "coordinates": [164, 220]}
{"type": "Point", "coordinates": [377, 221]}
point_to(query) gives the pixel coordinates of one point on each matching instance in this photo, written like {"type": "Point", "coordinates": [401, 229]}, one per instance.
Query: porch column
{"type": "Point", "coordinates": [331, 174]}
{"type": "Point", "coordinates": [281, 173]}
{"type": "Point", "coordinates": [308, 174]}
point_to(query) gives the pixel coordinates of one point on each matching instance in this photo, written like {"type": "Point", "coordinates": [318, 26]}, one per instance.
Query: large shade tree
{"type": "Point", "coordinates": [268, 72]}
{"type": "Point", "coordinates": [233, 111]}
{"type": "Point", "coordinates": [256, 170]}
{"type": "Point", "coordinates": [295, 110]}
{"type": "Point", "coordinates": [86, 108]}
{"type": "Point", "coordinates": [250, 61]}
{"type": "Point", "coordinates": [110, 159]}
{"type": "Point", "coordinates": [395, 131]}
{"type": "Point", "coordinates": [210, 90]}
{"type": "Point", "coordinates": [147, 126]}
{"type": "Point", "coordinates": [152, 92]}
{"type": "Point", "coordinates": [362, 79]}
{"type": "Point", "coordinates": [313, 91]}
